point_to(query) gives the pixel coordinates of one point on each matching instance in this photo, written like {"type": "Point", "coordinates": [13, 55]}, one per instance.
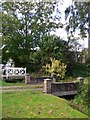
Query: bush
{"type": "Point", "coordinates": [82, 100]}
{"type": "Point", "coordinates": [56, 68]}
{"type": "Point", "coordinates": [80, 70]}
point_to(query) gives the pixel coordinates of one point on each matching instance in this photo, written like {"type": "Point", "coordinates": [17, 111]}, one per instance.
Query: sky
{"type": "Point", "coordinates": [61, 32]}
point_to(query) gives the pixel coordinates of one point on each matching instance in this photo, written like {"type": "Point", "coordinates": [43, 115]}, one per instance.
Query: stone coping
{"type": "Point", "coordinates": [64, 82]}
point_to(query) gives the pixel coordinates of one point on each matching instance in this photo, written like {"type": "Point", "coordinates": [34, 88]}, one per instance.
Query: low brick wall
{"type": "Point", "coordinates": [38, 79]}
{"type": "Point", "coordinates": [64, 88]}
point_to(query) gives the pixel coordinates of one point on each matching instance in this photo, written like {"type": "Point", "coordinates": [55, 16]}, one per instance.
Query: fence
{"type": "Point", "coordinates": [13, 73]}
{"type": "Point", "coordinates": [31, 80]}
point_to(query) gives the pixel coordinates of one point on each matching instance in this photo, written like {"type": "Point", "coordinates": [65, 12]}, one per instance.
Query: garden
{"type": "Point", "coordinates": [30, 41]}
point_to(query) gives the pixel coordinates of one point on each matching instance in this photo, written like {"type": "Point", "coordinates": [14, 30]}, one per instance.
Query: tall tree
{"type": "Point", "coordinates": [23, 25]}
{"type": "Point", "coordinates": [50, 47]}
{"type": "Point", "coordinates": [79, 19]}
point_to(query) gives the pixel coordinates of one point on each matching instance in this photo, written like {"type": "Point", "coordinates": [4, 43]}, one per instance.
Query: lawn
{"type": "Point", "coordinates": [0, 105]}
{"type": "Point", "coordinates": [2, 83]}
{"type": "Point", "coordinates": [35, 104]}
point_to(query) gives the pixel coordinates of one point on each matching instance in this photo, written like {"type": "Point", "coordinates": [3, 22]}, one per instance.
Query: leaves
{"type": "Point", "coordinates": [56, 68]}
{"type": "Point", "coordinates": [78, 15]}
{"type": "Point", "coordinates": [23, 25]}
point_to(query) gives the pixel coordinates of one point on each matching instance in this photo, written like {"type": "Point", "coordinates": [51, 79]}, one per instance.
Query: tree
{"type": "Point", "coordinates": [50, 46]}
{"type": "Point", "coordinates": [23, 26]}
{"type": "Point", "coordinates": [55, 47]}
{"type": "Point", "coordinates": [79, 19]}
{"type": "Point", "coordinates": [26, 31]}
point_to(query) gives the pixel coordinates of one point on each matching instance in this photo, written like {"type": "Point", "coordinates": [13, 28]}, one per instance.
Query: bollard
{"type": "Point", "coordinates": [47, 85]}
{"type": "Point", "coordinates": [54, 78]}
{"type": "Point", "coordinates": [27, 78]}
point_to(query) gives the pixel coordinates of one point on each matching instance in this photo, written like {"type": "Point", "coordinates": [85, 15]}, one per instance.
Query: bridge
{"type": "Point", "coordinates": [64, 88]}
{"type": "Point", "coordinates": [60, 88]}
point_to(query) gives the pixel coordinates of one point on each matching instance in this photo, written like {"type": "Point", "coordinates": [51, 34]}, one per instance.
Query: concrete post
{"type": "Point", "coordinates": [47, 85]}
{"type": "Point", "coordinates": [54, 78]}
{"type": "Point", "coordinates": [27, 78]}
{"type": "Point", "coordinates": [80, 79]}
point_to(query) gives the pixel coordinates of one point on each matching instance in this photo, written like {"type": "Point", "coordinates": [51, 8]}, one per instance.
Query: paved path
{"type": "Point", "coordinates": [17, 88]}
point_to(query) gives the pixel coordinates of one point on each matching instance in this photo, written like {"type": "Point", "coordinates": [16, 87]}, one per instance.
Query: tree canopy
{"type": "Point", "coordinates": [79, 19]}
{"type": "Point", "coordinates": [23, 25]}
{"type": "Point", "coordinates": [26, 28]}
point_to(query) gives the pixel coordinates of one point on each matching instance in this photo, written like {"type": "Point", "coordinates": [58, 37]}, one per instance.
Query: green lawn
{"type": "Point", "coordinates": [35, 104]}
{"type": "Point", "coordinates": [2, 83]}
{"type": "Point", "coordinates": [0, 105]}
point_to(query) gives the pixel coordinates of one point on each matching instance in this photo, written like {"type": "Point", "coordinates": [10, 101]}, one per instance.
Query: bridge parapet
{"type": "Point", "coordinates": [64, 88]}
{"type": "Point", "coordinates": [60, 88]}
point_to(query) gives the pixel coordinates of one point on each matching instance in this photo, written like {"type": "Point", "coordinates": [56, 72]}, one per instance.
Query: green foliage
{"type": "Point", "coordinates": [82, 100]}
{"type": "Point", "coordinates": [26, 28]}
{"type": "Point", "coordinates": [78, 11]}
{"type": "Point", "coordinates": [80, 70]}
{"type": "Point", "coordinates": [56, 68]}
{"type": "Point", "coordinates": [79, 18]}
{"type": "Point", "coordinates": [88, 65]}
{"type": "Point", "coordinates": [53, 46]}
{"type": "Point", "coordinates": [23, 25]}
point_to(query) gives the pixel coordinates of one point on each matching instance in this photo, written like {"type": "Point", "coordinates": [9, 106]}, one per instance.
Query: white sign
{"type": "Point", "coordinates": [14, 71]}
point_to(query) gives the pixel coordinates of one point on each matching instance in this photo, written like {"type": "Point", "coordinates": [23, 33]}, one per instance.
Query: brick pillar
{"type": "Point", "coordinates": [27, 78]}
{"type": "Point", "coordinates": [47, 85]}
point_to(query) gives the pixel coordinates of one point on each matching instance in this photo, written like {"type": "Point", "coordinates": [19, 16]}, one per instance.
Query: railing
{"type": "Point", "coordinates": [13, 72]}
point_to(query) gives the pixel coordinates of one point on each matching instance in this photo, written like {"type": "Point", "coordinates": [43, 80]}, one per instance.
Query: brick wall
{"type": "Point", "coordinates": [38, 79]}
{"type": "Point", "coordinates": [65, 86]}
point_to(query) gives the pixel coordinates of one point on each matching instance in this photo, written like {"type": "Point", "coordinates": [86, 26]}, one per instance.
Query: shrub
{"type": "Point", "coordinates": [56, 68]}
{"type": "Point", "coordinates": [82, 100]}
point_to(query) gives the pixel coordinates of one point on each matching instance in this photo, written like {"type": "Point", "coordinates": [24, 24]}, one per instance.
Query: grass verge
{"type": "Point", "coordinates": [35, 104]}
